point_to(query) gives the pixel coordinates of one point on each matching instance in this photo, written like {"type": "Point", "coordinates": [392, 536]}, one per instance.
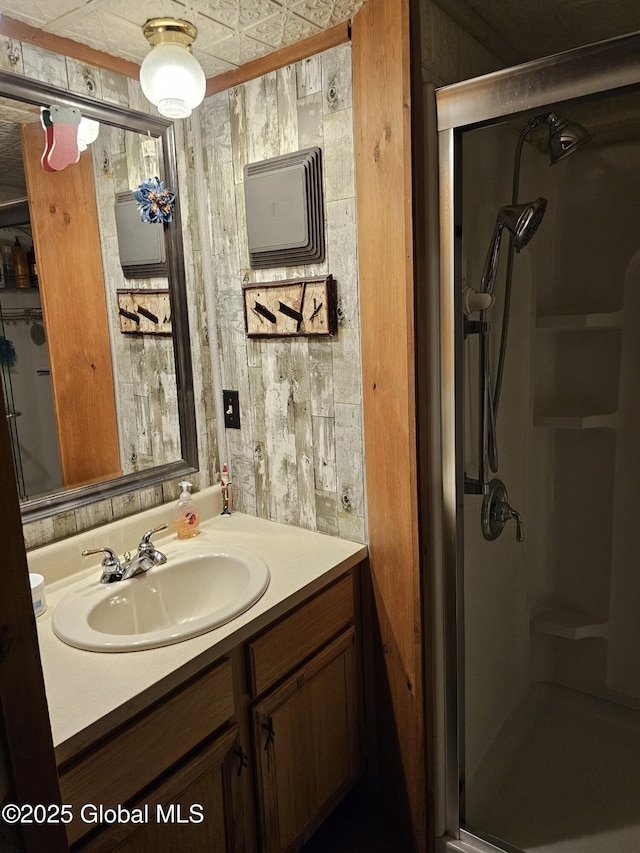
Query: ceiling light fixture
{"type": "Point", "coordinates": [170, 76]}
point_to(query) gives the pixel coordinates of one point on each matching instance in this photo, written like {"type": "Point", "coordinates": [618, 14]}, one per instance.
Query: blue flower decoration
{"type": "Point", "coordinates": [155, 203]}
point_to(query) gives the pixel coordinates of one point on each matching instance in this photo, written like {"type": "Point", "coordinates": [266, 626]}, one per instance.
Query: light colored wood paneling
{"type": "Point", "coordinates": [119, 768]}
{"type": "Point", "coordinates": [145, 383]}
{"type": "Point", "coordinates": [382, 121]}
{"type": "Point", "coordinates": [67, 244]}
{"type": "Point", "coordinates": [299, 635]}
{"type": "Point", "coordinates": [278, 457]}
{"type": "Point", "coordinates": [287, 109]}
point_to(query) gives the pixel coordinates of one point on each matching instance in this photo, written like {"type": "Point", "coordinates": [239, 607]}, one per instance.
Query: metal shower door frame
{"type": "Point", "coordinates": [516, 92]}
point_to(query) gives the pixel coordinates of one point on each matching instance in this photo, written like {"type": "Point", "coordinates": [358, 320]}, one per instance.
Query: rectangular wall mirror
{"type": "Point", "coordinates": [93, 413]}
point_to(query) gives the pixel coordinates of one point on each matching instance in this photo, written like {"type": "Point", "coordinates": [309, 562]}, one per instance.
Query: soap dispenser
{"type": "Point", "coordinates": [187, 515]}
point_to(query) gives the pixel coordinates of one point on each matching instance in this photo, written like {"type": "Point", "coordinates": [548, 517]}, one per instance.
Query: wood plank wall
{"type": "Point", "coordinates": [298, 456]}
{"type": "Point", "coordinates": [382, 118]}
{"type": "Point", "coordinates": [147, 405]}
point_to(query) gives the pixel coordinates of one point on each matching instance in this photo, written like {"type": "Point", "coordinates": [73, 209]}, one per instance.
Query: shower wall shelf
{"type": "Point", "coordinates": [580, 321]}
{"type": "Point", "coordinates": [575, 419]}
{"type": "Point", "coordinates": [569, 624]}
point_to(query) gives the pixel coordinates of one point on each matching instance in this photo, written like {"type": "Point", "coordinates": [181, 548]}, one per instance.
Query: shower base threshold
{"type": "Point", "coordinates": [467, 843]}
{"type": "Point", "coordinates": [572, 785]}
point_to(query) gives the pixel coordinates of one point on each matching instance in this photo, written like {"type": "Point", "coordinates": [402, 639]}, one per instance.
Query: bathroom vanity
{"type": "Point", "coordinates": [240, 739]}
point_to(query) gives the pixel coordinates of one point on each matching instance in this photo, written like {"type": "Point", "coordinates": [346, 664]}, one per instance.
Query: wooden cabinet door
{"type": "Point", "coordinates": [305, 738]}
{"type": "Point", "coordinates": [192, 810]}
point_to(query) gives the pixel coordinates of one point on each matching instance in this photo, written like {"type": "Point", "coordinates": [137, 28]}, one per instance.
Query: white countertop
{"type": "Point", "coordinates": [90, 693]}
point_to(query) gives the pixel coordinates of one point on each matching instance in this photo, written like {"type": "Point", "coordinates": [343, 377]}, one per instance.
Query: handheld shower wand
{"type": "Point", "coordinates": [565, 137]}
{"type": "Point", "coordinates": [522, 222]}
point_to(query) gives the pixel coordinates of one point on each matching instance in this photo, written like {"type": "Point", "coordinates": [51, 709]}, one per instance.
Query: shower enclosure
{"type": "Point", "coordinates": [538, 585]}
{"type": "Point", "coordinates": [26, 386]}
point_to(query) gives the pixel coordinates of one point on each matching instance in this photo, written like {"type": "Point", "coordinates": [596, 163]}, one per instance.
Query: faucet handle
{"type": "Point", "coordinates": [496, 511]}
{"type": "Point", "coordinates": [511, 513]}
{"type": "Point", "coordinates": [146, 539]}
{"type": "Point", "coordinates": [110, 560]}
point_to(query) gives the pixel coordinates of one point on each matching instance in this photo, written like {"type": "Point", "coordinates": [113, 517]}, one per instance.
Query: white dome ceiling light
{"type": "Point", "coordinates": [170, 75]}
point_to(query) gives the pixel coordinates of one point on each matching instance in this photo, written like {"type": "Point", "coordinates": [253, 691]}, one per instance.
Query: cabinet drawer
{"type": "Point", "coordinates": [296, 637]}
{"type": "Point", "coordinates": [203, 780]}
{"type": "Point", "coordinates": [117, 769]}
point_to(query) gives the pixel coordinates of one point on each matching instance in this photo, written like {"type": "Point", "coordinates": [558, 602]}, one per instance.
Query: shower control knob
{"type": "Point", "coordinates": [496, 511]}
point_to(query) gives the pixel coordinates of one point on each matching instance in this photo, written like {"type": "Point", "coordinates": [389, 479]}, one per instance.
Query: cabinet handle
{"type": "Point", "coordinates": [243, 759]}
{"type": "Point", "coordinates": [268, 728]}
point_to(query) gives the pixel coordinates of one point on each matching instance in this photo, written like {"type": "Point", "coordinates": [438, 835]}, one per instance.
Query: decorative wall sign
{"type": "Point", "coordinates": [144, 312]}
{"type": "Point", "coordinates": [283, 309]}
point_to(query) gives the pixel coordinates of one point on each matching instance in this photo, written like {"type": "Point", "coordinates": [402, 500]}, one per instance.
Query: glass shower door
{"type": "Point", "coordinates": [541, 636]}
{"type": "Point", "coordinates": [7, 360]}
{"type": "Point", "coordinates": [26, 383]}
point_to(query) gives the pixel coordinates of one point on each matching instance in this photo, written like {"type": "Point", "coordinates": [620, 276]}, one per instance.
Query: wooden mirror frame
{"type": "Point", "coordinates": [33, 92]}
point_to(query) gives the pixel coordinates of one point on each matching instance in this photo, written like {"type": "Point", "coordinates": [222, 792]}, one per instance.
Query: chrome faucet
{"type": "Point", "coordinates": [146, 558]}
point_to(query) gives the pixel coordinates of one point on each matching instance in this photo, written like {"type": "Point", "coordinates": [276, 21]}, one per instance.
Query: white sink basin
{"type": "Point", "coordinates": [187, 596]}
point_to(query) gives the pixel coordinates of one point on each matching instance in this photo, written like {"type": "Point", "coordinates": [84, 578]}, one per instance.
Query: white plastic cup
{"type": "Point", "coordinates": [38, 594]}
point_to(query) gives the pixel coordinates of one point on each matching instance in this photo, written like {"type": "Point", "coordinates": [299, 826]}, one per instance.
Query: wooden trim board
{"type": "Point", "coordinates": [64, 218]}
{"type": "Point", "coordinates": [383, 148]}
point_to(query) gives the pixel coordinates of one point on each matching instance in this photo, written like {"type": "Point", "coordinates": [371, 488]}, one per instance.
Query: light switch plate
{"type": "Point", "coordinates": [231, 404]}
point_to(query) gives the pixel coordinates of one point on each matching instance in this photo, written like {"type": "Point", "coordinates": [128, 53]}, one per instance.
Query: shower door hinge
{"type": "Point", "coordinates": [474, 487]}
{"type": "Point", "coordinates": [474, 327]}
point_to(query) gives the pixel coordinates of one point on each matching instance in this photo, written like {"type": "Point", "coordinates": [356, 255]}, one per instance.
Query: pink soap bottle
{"type": "Point", "coordinates": [187, 515]}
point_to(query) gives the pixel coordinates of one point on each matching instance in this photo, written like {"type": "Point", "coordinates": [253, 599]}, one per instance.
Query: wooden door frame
{"type": "Point", "coordinates": [392, 255]}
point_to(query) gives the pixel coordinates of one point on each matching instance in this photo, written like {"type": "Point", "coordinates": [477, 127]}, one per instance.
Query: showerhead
{"type": "Point", "coordinates": [523, 220]}
{"type": "Point", "coordinates": [564, 137]}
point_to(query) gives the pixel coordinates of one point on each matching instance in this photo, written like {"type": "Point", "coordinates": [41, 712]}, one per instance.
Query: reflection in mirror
{"type": "Point", "coordinates": [94, 409]}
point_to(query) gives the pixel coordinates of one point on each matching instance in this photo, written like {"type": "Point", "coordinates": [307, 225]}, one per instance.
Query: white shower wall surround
{"type": "Point", "coordinates": [34, 429]}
